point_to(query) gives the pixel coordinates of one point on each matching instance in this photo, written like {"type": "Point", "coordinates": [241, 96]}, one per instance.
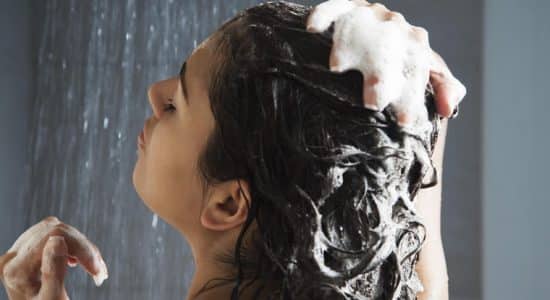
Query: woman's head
{"type": "Point", "coordinates": [275, 144]}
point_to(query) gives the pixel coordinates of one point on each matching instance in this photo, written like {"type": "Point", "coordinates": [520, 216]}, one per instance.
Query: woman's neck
{"type": "Point", "coordinates": [209, 282]}
{"type": "Point", "coordinates": [223, 290]}
{"type": "Point", "coordinates": [207, 273]}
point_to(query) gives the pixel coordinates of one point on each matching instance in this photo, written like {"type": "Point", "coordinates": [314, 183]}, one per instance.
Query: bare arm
{"type": "Point", "coordinates": [431, 266]}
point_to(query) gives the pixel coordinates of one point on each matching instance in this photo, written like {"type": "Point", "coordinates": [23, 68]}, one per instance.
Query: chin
{"type": "Point", "coordinates": [137, 179]}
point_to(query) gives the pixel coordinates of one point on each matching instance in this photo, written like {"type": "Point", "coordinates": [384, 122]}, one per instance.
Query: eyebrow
{"type": "Point", "coordinates": [182, 80]}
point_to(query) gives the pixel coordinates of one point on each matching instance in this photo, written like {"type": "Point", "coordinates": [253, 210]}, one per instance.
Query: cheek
{"type": "Point", "coordinates": [164, 177]}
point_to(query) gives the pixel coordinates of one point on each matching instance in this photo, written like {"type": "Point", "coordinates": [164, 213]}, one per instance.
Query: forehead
{"type": "Point", "coordinates": [207, 46]}
{"type": "Point", "coordinates": [202, 59]}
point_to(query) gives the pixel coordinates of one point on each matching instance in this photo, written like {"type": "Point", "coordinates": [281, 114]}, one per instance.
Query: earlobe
{"type": "Point", "coordinates": [227, 207]}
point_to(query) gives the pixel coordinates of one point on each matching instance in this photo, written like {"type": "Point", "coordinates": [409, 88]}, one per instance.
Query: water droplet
{"type": "Point", "coordinates": [85, 125]}
{"type": "Point", "coordinates": [99, 31]}
{"type": "Point", "coordinates": [128, 36]}
{"type": "Point", "coordinates": [194, 43]}
{"type": "Point", "coordinates": [87, 164]}
{"type": "Point", "coordinates": [152, 28]}
{"type": "Point", "coordinates": [64, 64]}
{"type": "Point", "coordinates": [341, 228]}
{"type": "Point", "coordinates": [105, 122]}
{"type": "Point", "coordinates": [50, 55]}
{"type": "Point", "coordinates": [155, 221]}
{"type": "Point", "coordinates": [133, 15]}
{"type": "Point", "coordinates": [119, 135]}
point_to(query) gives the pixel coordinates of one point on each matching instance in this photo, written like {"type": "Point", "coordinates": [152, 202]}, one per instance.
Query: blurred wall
{"type": "Point", "coordinates": [16, 92]}
{"type": "Point", "coordinates": [516, 140]}
{"type": "Point", "coordinates": [93, 62]}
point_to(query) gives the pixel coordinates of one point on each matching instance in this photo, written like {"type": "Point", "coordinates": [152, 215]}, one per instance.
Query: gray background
{"type": "Point", "coordinates": [516, 242]}
{"type": "Point", "coordinates": [74, 76]}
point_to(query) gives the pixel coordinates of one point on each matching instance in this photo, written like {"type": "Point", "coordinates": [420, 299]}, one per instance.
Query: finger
{"type": "Point", "coordinates": [394, 16]}
{"type": "Point", "coordinates": [444, 94]}
{"type": "Point", "coordinates": [53, 269]}
{"type": "Point", "coordinates": [450, 91]}
{"type": "Point", "coordinates": [420, 34]}
{"type": "Point", "coordinates": [378, 7]}
{"type": "Point", "coordinates": [370, 95]}
{"type": "Point", "coordinates": [4, 260]}
{"type": "Point", "coordinates": [84, 251]}
{"type": "Point", "coordinates": [34, 231]}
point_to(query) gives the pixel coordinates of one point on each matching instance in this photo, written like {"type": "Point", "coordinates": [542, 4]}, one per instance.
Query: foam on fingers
{"type": "Point", "coordinates": [388, 49]}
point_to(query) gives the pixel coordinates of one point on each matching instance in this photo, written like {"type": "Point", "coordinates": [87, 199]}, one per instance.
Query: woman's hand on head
{"type": "Point", "coordinates": [392, 73]}
{"type": "Point", "coordinates": [449, 91]}
{"type": "Point", "coordinates": [35, 266]}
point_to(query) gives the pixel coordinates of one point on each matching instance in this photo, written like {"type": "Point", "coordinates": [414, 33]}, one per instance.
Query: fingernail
{"type": "Point", "coordinates": [455, 113]}
{"type": "Point", "coordinates": [100, 277]}
{"type": "Point", "coordinates": [102, 274]}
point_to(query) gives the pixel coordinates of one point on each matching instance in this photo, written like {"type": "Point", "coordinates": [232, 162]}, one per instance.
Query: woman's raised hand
{"type": "Point", "coordinates": [394, 56]}
{"type": "Point", "coordinates": [35, 266]}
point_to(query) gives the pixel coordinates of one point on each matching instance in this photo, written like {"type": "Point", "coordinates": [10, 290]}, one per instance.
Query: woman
{"type": "Point", "coordinates": [269, 166]}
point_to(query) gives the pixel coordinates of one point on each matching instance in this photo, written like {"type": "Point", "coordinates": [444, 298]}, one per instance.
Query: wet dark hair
{"type": "Point", "coordinates": [332, 183]}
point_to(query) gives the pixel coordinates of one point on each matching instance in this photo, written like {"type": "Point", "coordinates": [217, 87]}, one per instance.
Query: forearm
{"type": "Point", "coordinates": [431, 266]}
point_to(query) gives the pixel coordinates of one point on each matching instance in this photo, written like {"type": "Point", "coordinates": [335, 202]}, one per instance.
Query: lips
{"type": "Point", "coordinates": [141, 137]}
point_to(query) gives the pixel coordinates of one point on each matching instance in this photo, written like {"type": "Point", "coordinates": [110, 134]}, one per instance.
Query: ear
{"type": "Point", "coordinates": [227, 206]}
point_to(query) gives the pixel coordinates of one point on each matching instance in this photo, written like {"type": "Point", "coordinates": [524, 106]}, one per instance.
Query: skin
{"type": "Point", "coordinates": [166, 178]}
{"type": "Point", "coordinates": [431, 265]}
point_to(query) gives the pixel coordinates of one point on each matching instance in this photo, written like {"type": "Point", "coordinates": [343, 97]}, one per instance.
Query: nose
{"type": "Point", "coordinates": [159, 93]}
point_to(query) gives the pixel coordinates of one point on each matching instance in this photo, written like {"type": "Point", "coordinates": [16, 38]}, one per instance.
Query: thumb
{"type": "Point", "coordinates": [53, 269]}
{"type": "Point", "coordinates": [4, 259]}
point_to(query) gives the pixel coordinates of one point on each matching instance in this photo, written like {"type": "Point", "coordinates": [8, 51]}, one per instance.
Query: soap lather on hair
{"type": "Point", "coordinates": [393, 56]}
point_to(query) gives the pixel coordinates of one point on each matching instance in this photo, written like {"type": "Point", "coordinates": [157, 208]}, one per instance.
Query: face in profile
{"type": "Point", "coordinates": [166, 176]}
